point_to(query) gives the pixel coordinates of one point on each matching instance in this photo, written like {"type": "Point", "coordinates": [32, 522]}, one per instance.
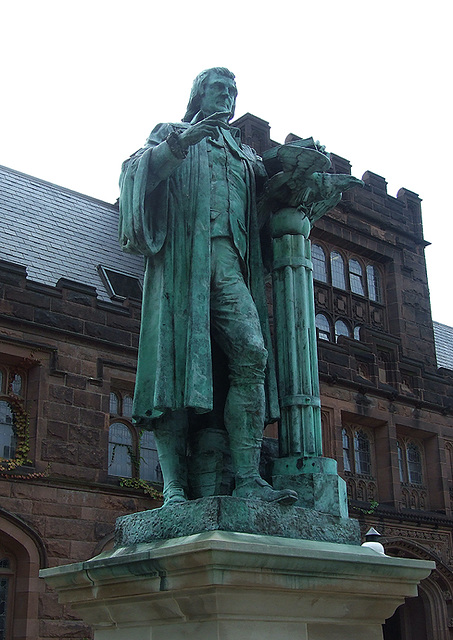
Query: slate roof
{"type": "Point", "coordinates": [58, 233]}
{"type": "Point", "coordinates": [443, 337]}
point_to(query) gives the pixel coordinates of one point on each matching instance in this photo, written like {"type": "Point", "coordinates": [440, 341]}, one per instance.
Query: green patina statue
{"type": "Point", "coordinates": [189, 204]}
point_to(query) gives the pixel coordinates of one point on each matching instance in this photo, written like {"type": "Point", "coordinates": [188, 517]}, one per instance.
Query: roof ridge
{"type": "Point", "coordinates": [83, 196]}
{"type": "Point", "coordinates": [442, 324]}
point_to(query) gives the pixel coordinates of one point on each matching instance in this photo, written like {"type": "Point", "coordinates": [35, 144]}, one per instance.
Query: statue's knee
{"type": "Point", "coordinates": [256, 355]}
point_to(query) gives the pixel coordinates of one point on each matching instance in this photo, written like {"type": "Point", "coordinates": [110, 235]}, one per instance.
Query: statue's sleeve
{"type": "Point", "coordinates": [144, 188]}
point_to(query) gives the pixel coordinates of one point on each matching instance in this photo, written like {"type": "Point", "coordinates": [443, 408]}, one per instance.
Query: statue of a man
{"type": "Point", "coordinates": [188, 203]}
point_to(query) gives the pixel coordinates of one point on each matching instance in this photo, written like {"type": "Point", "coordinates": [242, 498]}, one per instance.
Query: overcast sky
{"type": "Point", "coordinates": [84, 83]}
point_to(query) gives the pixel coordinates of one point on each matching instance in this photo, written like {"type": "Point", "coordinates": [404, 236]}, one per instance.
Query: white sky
{"type": "Point", "coordinates": [84, 83]}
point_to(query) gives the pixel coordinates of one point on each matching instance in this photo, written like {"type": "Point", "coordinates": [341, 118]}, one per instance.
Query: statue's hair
{"type": "Point", "coordinates": [196, 94]}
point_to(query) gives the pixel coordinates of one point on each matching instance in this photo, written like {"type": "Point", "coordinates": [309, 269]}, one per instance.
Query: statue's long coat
{"type": "Point", "coordinates": [169, 223]}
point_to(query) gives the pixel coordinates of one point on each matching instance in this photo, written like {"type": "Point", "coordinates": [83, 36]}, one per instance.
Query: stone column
{"type": "Point", "coordinates": [301, 465]}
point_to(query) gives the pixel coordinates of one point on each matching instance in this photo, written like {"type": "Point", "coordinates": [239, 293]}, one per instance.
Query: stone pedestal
{"type": "Point", "coordinates": [235, 586]}
{"type": "Point", "coordinates": [225, 513]}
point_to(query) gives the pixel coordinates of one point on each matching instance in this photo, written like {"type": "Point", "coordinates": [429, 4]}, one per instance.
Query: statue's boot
{"type": "Point", "coordinates": [170, 435]}
{"type": "Point", "coordinates": [244, 420]}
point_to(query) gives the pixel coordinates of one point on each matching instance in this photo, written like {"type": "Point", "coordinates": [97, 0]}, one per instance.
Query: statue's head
{"type": "Point", "coordinates": [203, 83]}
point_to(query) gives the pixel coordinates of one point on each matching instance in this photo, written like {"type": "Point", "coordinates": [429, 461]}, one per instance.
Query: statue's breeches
{"type": "Point", "coordinates": [234, 318]}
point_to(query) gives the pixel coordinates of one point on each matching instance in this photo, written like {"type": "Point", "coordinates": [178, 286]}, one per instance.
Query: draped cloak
{"type": "Point", "coordinates": [168, 221]}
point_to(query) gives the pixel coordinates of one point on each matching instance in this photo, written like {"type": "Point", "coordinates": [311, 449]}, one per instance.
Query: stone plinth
{"type": "Point", "coordinates": [226, 513]}
{"type": "Point", "coordinates": [235, 586]}
{"type": "Point", "coordinates": [316, 482]}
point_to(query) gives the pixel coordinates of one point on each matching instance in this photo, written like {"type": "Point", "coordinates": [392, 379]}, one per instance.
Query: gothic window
{"type": "Point", "coordinates": [414, 463]}
{"type": "Point", "coordinates": [374, 284]}
{"type": "Point", "coordinates": [114, 404]}
{"type": "Point", "coordinates": [356, 277]}
{"type": "Point", "coordinates": [344, 276]}
{"type": "Point", "coordinates": [362, 453]}
{"type": "Point", "coordinates": [346, 450]}
{"type": "Point", "coordinates": [319, 263]}
{"type": "Point", "coordinates": [8, 440]}
{"type": "Point", "coordinates": [16, 384]}
{"type": "Point", "coordinates": [337, 270]}
{"type": "Point", "coordinates": [149, 461]}
{"type": "Point", "coordinates": [120, 449]}
{"type": "Point", "coordinates": [341, 329]}
{"type": "Point", "coordinates": [410, 461]}
{"type": "Point", "coordinates": [127, 406]}
{"type": "Point", "coordinates": [132, 453]}
{"type": "Point", "coordinates": [357, 450]}
{"type": "Point", "coordinates": [414, 494]}
{"type": "Point", "coordinates": [323, 327]}
{"type": "Point", "coordinates": [11, 384]}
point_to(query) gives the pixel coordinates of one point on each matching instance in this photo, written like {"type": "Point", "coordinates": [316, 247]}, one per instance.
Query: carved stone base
{"type": "Point", "coordinates": [234, 586]}
{"type": "Point", "coordinates": [225, 513]}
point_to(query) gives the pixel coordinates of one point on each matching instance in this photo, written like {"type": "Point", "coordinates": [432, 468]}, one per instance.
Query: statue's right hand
{"type": "Point", "coordinates": [208, 127]}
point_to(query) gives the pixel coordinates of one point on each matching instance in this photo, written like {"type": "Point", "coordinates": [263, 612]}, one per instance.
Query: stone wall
{"type": "Point", "coordinates": [68, 346]}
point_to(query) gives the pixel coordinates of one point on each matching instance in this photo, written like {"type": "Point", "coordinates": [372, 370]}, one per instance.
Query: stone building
{"type": "Point", "coordinates": [72, 460]}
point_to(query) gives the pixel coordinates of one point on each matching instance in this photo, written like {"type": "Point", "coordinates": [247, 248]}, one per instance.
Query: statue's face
{"type": "Point", "coordinates": [219, 95]}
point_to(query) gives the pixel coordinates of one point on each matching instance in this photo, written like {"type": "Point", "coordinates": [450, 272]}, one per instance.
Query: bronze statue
{"type": "Point", "coordinates": [189, 205]}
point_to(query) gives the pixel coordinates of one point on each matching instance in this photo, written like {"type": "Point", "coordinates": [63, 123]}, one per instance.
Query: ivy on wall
{"type": "Point", "coordinates": [142, 485]}
{"type": "Point", "coordinates": [21, 426]}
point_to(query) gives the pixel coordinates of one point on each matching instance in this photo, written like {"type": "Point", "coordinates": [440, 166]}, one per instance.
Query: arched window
{"type": "Point", "coordinates": [357, 330]}
{"type": "Point", "coordinates": [356, 277]}
{"type": "Point", "coordinates": [8, 439]}
{"type": "Point", "coordinates": [358, 462]}
{"type": "Point", "coordinates": [410, 461]}
{"type": "Point", "coordinates": [120, 450]}
{"type": "Point", "coordinates": [337, 270]}
{"type": "Point", "coordinates": [341, 329]}
{"type": "Point", "coordinates": [323, 327]}
{"type": "Point", "coordinates": [127, 406]}
{"type": "Point", "coordinates": [17, 384]}
{"type": "Point", "coordinates": [374, 283]}
{"type": "Point", "coordinates": [346, 450]}
{"type": "Point", "coordinates": [132, 452]}
{"type": "Point", "coordinates": [414, 463]}
{"type": "Point", "coordinates": [362, 453]}
{"type": "Point", "coordinates": [319, 263]}
{"type": "Point", "coordinates": [149, 461]}
{"type": "Point", "coordinates": [114, 404]}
